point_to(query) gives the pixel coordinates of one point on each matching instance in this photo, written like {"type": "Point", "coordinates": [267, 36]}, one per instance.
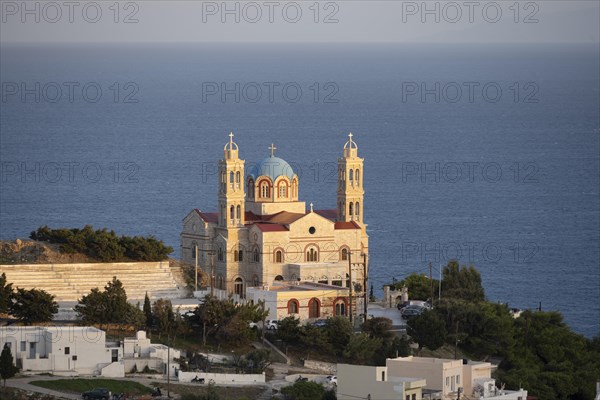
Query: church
{"type": "Point", "coordinates": [262, 234]}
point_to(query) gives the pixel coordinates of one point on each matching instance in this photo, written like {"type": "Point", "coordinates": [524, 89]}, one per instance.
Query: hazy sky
{"type": "Point", "coordinates": [300, 21]}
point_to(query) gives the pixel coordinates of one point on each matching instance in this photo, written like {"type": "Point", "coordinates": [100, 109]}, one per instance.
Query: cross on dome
{"type": "Point", "coordinates": [231, 145]}
{"type": "Point", "coordinates": [272, 148]}
{"type": "Point", "coordinates": [350, 143]}
{"type": "Point", "coordinates": [311, 207]}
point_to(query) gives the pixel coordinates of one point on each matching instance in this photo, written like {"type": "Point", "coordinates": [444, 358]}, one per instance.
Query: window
{"type": "Point", "coordinates": [241, 255]}
{"type": "Point", "coordinates": [312, 255]}
{"type": "Point", "coordinates": [67, 350]}
{"type": "Point", "coordinates": [278, 256]}
{"type": "Point", "coordinates": [408, 397]}
{"type": "Point", "coordinates": [350, 210]}
{"type": "Point", "coordinates": [351, 175]}
{"type": "Point", "coordinates": [383, 376]}
{"type": "Point", "coordinates": [312, 230]}
{"type": "Point", "coordinates": [23, 346]}
{"type": "Point", "coordinates": [314, 308]}
{"type": "Point", "coordinates": [220, 254]}
{"type": "Point", "coordinates": [264, 190]}
{"type": "Point", "coordinates": [251, 188]}
{"type": "Point", "coordinates": [344, 254]}
{"type": "Point", "coordinates": [357, 176]}
{"type": "Point", "coordinates": [414, 396]}
{"type": "Point", "coordinates": [256, 256]}
{"type": "Point", "coordinates": [231, 211]}
{"type": "Point", "coordinates": [115, 355]}
{"type": "Point", "coordinates": [239, 287]}
{"type": "Point", "coordinates": [447, 381]}
{"type": "Point", "coordinates": [282, 190]}
{"type": "Point", "coordinates": [279, 278]}
{"type": "Point", "coordinates": [293, 306]}
{"type": "Point", "coordinates": [340, 308]}
{"type": "Point", "coordinates": [235, 255]}
{"type": "Point", "coordinates": [237, 180]}
{"type": "Point", "coordinates": [357, 209]}
{"type": "Point", "coordinates": [238, 213]}
{"type": "Point", "coordinates": [458, 379]}
{"type": "Point", "coordinates": [231, 179]}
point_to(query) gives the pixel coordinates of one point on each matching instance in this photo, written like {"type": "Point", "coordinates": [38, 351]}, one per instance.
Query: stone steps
{"type": "Point", "coordinates": [69, 282]}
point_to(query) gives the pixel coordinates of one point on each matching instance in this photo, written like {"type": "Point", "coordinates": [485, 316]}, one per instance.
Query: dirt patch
{"type": "Point", "coordinates": [34, 252]}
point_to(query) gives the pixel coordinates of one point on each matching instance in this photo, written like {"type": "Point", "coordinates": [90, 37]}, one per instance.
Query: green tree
{"type": "Point", "coordinates": [304, 390]}
{"type": "Point", "coordinates": [148, 311]}
{"type": "Point", "coordinates": [228, 320]}
{"type": "Point", "coordinates": [108, 306]}
{"type": "Point", "coordinates": [419, 286]}
{"type": "Point", "coordinates": [6, 294]}
{"type": "Point", "coordinates": [338, 331]}
{"type": "Point", "coordinates": [361, 348]}
{"type": "Point", "coordinates": [550, 360]}
{"type": "Point", "coordinates": [7, 368]}
{"type": "Point", "coordinates": [462, 282]}
{"type": "Point", "coordinates": [33, 306]}
{"type": "Point", "coordinates": [288, 329]}
{"type": "Point", "coordinates": [162, 309]}
{"type": "Point", "coordinates": [428, 330]}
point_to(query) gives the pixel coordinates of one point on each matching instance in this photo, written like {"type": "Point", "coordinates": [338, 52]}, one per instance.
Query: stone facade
{"type": "Point", "coordinates": [262, 233]}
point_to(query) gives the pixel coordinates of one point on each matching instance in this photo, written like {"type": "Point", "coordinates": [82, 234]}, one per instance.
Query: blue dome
{"type": "Point", "coordinates": [273, 167]}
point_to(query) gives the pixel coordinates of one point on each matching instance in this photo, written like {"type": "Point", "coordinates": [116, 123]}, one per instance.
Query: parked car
{"type": "Point", "coordinates": [332, 379]}
{"type": "Point", "coordinates": [98, 393]}
{"type": "Point", "coordinates": [271, 324]}
{"type": "Point", "coordinates": [253, 325]}
{"type": "Point", "coordinates": [320, 323]}
{"type": "Point", "coordinates": [409, 312]}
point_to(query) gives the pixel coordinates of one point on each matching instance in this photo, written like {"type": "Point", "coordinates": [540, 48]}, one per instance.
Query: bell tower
{"type": "Point", "coordinates": [231, 187]}
{"type": "Point", "coordinates": [350, 184]}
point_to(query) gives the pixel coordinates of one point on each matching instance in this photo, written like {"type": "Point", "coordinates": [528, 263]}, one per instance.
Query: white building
{"type": "Point", "coordinates": [74, 351]}
{"type": "Point", "coordinates": [359, 381]}
{"type": "Point", "coordinates": [472, 379]}
{"type": "Point", "coordinates": [63, 350]}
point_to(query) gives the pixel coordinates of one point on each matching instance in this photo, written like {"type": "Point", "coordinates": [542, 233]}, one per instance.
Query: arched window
{"type": "Point", "coordinates": [231, 179]}
{"type": "Point", "coordinates": [340, 308]}
{"type": "Point", "coordinates": [350, 210]}
{"type": "Point", "coordinates": [238, 213]}
{"type": "Point", "coordinates": [264, 190]}
{"type": "Point", "coordinates": [220, 254]}
{"type": "Point", "coordinates": [314, 308]}
{"type": "Point", "coordinates": [312, 254]}
{"type": "Point", "coordinates": [278, 256]}
{"type": "Point", "coordinates": [235, 255]}
{"type": "Point", "coordinates": [351, 175]}
{"type": "Point", "coordinates": [344, 254]}
{"type": "Point", "coordinates": [256, 256]}
{"type": "Point", "coordinates": [282, 190]}
{"type": "Point", "coordinates": [237, 179]}
{"type": "Point", "coordinates": [241, 255]}
{"type": "Point", "coordinates": [231, 211]}
{"type": "Point", "coordinates": [250, 189]}
{"type": "Point", "coordinates": [357, 176]}
{"type": "Point", "coordinates": [238, 287]}
{"type": "Point", "coordinates": [219, 282]}
{"type": "Point", "coordinates": [357, 209]}
{"type": "Point", "coordinates": [293, 306]}
{"type": "Point", "coordinates": [279, 278]}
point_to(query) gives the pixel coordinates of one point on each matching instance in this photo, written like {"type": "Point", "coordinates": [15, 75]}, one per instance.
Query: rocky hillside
{"type": "Point", "coordinates": [33, 252]}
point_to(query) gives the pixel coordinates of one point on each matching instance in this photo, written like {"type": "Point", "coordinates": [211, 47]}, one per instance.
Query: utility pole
{"type": "Point", "coordinates": [431, 281]}
{"type": "Point", "coordinates": [212, 273]}
{"type": "Point", "coordinates": [366, 279]}
{"type": "Point", "coordinates": [350, 274]}
{"type": "Point", "coordinates": [440, 284]}
{"type": "Point", "coordinates": [196, 269]}
{"type": "Point", "coordinates": [169, 368]}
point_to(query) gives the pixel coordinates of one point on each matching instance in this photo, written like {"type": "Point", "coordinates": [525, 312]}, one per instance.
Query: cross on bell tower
{"type": "Point", "coordinates": [272, 148]}
{"type": "Point", "coordinates": [231, 187]}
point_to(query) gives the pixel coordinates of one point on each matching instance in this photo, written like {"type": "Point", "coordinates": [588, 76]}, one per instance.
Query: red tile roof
{"type": "Point", "coordinates": [208, 217]}
{"type": "Point", "coordinates": [329, 214]}
{"type": "Point", "coordinates": [346, 225]}
{"type": "Point", "coordinates": [271, 227]}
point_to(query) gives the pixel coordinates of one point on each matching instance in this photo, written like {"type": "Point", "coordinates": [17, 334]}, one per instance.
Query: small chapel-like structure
{"type": "Point", "coordinates": [262, 233]}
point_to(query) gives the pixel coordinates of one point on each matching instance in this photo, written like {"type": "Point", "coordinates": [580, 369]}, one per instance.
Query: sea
{"type": "Point", "coordinates": [485, 154]}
